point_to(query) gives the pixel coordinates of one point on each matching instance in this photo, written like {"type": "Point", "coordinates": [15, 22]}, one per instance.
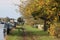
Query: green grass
{"type": "Point", "coordinates": [14, 35]}
{"type": "Point", "coordinates": [35, 31]}
{"type": "Point", "coordinates": [37, 34]}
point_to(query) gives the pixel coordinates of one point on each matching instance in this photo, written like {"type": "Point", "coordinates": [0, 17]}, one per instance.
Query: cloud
{"type": "Point", "coordinates": [8, 7]}
{"type": "Point", "coordinates": [8, 2]}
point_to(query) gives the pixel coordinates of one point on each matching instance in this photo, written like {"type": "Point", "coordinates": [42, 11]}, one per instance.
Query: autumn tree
{"type": "Point", "coordinates": [47, 10]}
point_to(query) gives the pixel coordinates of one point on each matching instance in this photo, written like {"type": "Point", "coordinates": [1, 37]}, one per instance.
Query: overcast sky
{"type": "Point", "coordinates": [8, 8]}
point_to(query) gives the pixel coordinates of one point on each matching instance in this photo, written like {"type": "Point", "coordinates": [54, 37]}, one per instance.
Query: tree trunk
{"type": "Point", "coordinates": [45, 26]}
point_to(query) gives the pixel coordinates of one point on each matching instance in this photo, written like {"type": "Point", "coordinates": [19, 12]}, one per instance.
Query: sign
{"type": "Point", "coordinates": [1, 31]}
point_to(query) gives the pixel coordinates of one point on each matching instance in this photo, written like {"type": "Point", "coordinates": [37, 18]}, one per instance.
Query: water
{"type": "Point", "coordinates": [1, 32]}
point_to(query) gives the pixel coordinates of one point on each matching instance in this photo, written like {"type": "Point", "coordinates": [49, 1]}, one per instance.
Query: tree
{"type": "Point", "coordinates": [20, 21]}
{"type": "Point", "coordinates": [47, 10]}
{"type": "Point", "coordinates": [7, 19]}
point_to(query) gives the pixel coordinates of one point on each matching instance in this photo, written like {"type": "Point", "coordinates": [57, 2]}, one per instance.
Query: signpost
{"type": "Point", "coordinates": [1, 31]}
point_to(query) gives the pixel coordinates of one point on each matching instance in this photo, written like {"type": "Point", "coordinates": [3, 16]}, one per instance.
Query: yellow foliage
{"type": "Point", "coordinates": [54, 8]}
{"type": "Point", "coordinates": [51, 30]}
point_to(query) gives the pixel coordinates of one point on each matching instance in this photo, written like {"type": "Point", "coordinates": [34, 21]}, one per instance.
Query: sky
{"type": "Point", "coordinates": [9, 9]}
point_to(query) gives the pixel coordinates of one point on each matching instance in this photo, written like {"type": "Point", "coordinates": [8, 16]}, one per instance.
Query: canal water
{"type": "Point", "coordinates": [1, 31]}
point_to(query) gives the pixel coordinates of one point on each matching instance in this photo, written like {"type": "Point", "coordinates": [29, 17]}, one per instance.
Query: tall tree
{"type": "Point", "coordinates": [48, 10]}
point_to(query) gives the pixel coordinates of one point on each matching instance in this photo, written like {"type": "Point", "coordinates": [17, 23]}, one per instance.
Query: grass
{"type": "Point", "coordinates": [37, 34]}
